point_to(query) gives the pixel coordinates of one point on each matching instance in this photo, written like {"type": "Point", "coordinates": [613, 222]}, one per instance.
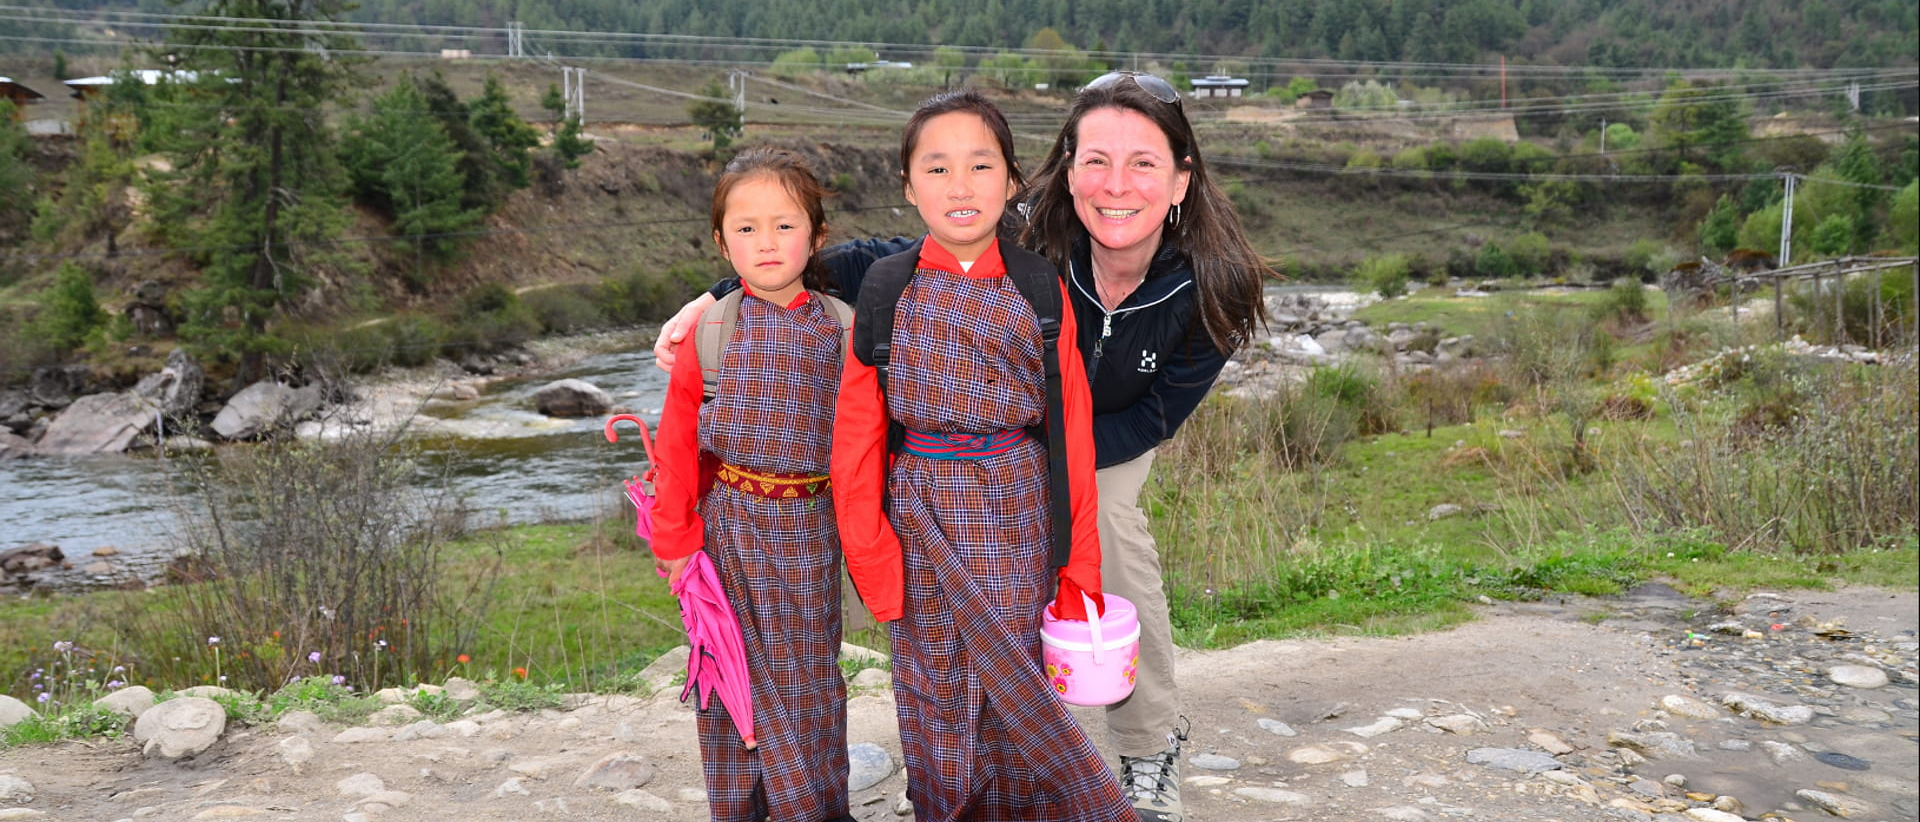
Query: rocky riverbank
{"type": "Point", "coordinates": [1785, 705]}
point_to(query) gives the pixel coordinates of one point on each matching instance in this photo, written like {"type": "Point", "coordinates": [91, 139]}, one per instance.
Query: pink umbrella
{"type": "Point", "coordinates": [637, 486]}
{"type": "Point", "coordinates": [718, 662]}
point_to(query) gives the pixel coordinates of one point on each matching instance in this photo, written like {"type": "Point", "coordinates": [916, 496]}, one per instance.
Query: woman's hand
{"type": "Point", "coordinates": [675, 331]}
{"type": "Point", "coordinates": [671, 568]}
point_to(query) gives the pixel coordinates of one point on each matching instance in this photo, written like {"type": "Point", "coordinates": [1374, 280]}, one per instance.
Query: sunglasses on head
{"type": "Point", "coordinates": [1160, 89]}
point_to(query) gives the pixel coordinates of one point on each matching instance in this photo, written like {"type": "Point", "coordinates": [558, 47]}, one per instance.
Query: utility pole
{"type": "Point", "coordinates": [573, 83]}
{"type": "Point", "coordinates": [737, 83]}
{"type": "Point", "coordinates": [516, 40]}
{"type": "Point", "coordinates": [1853, 94]}
{"type": "Point", "coordinates": [1603, 136]}
{"type": "Point", "coordinates": [1786, 225]}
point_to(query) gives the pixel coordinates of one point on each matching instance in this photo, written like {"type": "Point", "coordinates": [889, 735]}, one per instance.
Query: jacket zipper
{"type": "Point", "coordinates": [1106, 318]}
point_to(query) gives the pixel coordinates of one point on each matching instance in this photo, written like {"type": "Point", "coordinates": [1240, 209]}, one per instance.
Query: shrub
{"type": "Point", "coordinates": [1358, 392]}
{"type": "Point", "coordinates": [562, 309]}
{"type": "Point", "coordinates": [1494, 262]}
{"type": "Point", "coordinates": [1530, 253]}
{"type": "Point", "coordinates": [491, 318]}
{"type": "Point", "coordinates": [1626, 303]}
{"type": "Point", "coordinates": [1386, 274]}
{"type": "Point", "coordinates": [315, 558]}
{"type": "Point", "coordinates": [71, 313]}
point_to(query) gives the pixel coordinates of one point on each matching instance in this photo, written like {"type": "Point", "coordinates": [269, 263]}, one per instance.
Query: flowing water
{"type": "Point", "coordinates": [509, 461]}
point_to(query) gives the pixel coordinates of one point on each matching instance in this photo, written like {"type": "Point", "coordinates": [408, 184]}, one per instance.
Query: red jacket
{"type": "Point", "coordinates": [860, 463]}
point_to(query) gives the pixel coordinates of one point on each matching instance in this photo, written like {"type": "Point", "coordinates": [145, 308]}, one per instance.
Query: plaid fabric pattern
{"type": "Point", "coordinates": [779, 561]}
{"type": "Point", "coordinates": [983, 735]}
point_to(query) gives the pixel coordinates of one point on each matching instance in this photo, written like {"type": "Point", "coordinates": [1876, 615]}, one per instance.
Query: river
{"type": "Point", "coordinates": [507, 460]}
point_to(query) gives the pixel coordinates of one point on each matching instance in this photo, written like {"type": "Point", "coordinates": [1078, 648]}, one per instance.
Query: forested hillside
{"type": "Point", "coordinates": [1603, 33]}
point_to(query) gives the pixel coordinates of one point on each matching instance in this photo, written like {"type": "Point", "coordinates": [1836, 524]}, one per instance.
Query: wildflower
{"type": "Point", "coordinates": [380, 644]}
{"type": "Point", "coordinates": [119, 669]}
{"type": "Point", "coordinates": [339, 679]}
{"type": "Point", "coordinates": [114, 685]}
{"type": "Point", "coordinates": [63, 646]}
{"type": "Point", "coordinates": [44, 697]}
{"type": "Point", "coordinates": [223, 677]}
{"type": "Point", "coordinates": [213, 640]}
{"type": "Point", "coordinates": [520, 672]}
{"type": "Point", "coordinates": [314, 657]}
{"type": "Point", "coordinates": [463, 659]}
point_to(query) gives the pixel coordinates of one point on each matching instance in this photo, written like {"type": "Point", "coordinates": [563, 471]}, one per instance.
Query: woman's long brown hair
{"type": "Point", "coordinates": [1226, 269]}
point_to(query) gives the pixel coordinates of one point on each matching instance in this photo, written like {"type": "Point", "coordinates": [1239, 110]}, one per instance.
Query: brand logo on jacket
{"type": "Point", "coordinates": [1149, 362]}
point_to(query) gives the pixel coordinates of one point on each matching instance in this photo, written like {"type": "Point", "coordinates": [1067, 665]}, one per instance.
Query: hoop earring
{"type": "Point", "coordinates": [1173, 215]}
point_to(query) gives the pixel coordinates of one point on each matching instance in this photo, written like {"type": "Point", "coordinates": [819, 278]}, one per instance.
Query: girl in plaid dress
{"type": "Point", "coordinates": [742, 476]}
{"type": "Point", "coordinates": [947, 539]}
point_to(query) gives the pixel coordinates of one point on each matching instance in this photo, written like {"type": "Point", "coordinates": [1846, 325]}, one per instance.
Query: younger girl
{"type": "Point", "coordinates": [948, 537]}
{"type": "Point", "coordinates": [742, 476]}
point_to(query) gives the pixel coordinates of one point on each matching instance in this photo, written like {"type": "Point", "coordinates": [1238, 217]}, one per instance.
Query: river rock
{"type": "Point", "coordinates": [868, 764]}
{"type": "Point", "coordinates": [572, 398]}
{"type": "Point", "coordinates": [1857, 676]}
{"type": "Point", "coordinates": [1214, 762]}
{"type": "Point", "coordinates": [175, 388]}
{"type": "Point", "coordinates": [131, 701]}
{"type": "Point", "coordinates": [1688, 707]}
{"type": "Point", "coordinates": [1275, 726]}
{"type": "Point", "coordinates": [264, 406]}
{"type": "Point", "coordinates": [97, 424]}
{"type": "Point", "coordinates": [13, 445]}
{"type": "Point", "coordinates": [1527, 762]}
{"type": "Point", "coordinates": [1845, 807]}
{"type": "Point", "coordinates": [1654, 745]}
{"type": "Point", "coordinates": [1763, 710]}
{"type": "Point", "coordinates": [1277, 796]}
{"type": "Point", "coordinates": [13, 711]}
{"type": "Point", "coordinates": [180, 727]}
{"type": "Point", "coordinates": [35, 557]}
{"type": "Point", "coordinates": [14, 790]}
{"type": "Point", "coordinates": [618, 771]}
{"type": "Point", "coordinates": [54, 386]}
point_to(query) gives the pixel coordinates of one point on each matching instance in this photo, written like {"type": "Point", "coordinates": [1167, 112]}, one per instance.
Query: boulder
{"type": "Point", "coordinates": [175, 389]}
{"type": "Point", "coordinates": [131, 701]}
{"type": "Point", "coordinates": [97, 424]}
{"type": "Point", "coordinates": [13, 445]}
{"type": "Point", "coordinates": [148, 310]}
{"type": "Point", "coordinates": [13, 711]}
{"type": "Point", "coordinates": [180, 727]}
{"type": "Point", "coordinates": [572, 398]}
{"type": "Point", "coordinates": [55, 386]}
{"type": "Point", "coordinates": [35, 557]}
{"type": "Point", "coordinates": [264, 406]}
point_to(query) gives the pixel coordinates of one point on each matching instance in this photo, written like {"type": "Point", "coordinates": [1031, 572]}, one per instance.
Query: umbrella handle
{"type": "Point", "coordinates": [646, 438]}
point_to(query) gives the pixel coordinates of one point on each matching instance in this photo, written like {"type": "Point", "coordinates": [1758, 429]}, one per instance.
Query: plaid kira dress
{"type": "Point", "coordinates": [984, 736]}
{"type": "Point", "coordinates": [779, 561]}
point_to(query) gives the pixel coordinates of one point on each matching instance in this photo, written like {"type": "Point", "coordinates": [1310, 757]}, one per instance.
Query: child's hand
{"type": "Point", "coordinates": [676, 330]}
{"type": "Point", "coordinates": [1068, 604]}
{"type": "Point", "coordinates": [671, 568]}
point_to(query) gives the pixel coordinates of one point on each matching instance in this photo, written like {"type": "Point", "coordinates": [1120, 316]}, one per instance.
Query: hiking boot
{"type": "Point", "coordinates": [1152, 782]}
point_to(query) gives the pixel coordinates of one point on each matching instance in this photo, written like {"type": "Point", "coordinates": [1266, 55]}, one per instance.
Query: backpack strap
{"type": "Point", "coordinates": [710, 339]}
{"type": "Point", "coordinates": [1039, 282]}
{"type": "Point", "coordinates": [719, 321]}
{"type": "Point", "coordinates": [880, 292]}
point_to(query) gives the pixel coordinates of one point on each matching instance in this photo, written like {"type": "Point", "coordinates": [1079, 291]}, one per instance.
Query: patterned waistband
{"type": "Point", "coordinates": [962, 446]}
{"type": "Point", "coordinates": [774, 484]}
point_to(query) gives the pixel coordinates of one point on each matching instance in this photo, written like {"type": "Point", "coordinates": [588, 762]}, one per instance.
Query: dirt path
{"type": "Point", "coordinates": [1341, 729]}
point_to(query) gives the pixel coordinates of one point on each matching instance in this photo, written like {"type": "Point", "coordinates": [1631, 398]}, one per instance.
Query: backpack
{"type": "Point", "coordinates": [718, 322]}
{"type": "Point", "coordinates": [1037, 280]}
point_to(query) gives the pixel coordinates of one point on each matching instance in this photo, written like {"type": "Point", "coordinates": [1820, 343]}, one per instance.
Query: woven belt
{"type": "Point", "coordinates": [774, 484]}
{"type": "Point", "coordinates": [961, 446]}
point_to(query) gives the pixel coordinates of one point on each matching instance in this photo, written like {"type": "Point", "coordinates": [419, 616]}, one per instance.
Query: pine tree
{"type": "Point", "coordinates": [511, 138]}
{"type": "Point", "coordinates": [406, 164]}
{"type": "Point", "coordinates": [716, 115]}
{"type": "Point", "coordinates": [255, 161]}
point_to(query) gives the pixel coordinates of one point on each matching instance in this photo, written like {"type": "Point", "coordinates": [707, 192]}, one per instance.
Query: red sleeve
{"type": "Point", "coordinates": [859, 471]}
{"type": "Point", "coordinates": [678, 485]}
{"type": "Point", "coordinates": [1083, 568]}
